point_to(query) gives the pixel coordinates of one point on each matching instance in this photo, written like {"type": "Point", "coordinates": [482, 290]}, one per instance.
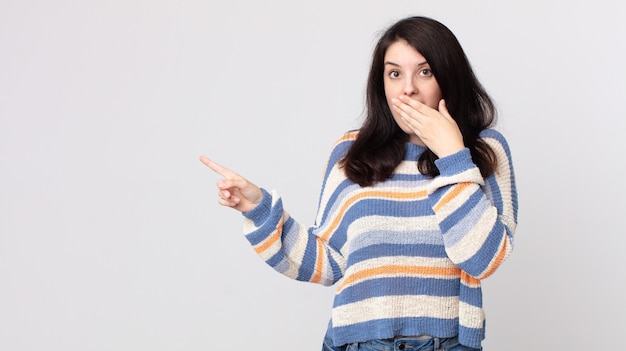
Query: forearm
{"type": "Point", "coordinates": [287, 246]}
{"type": "Point", "coordinates": [477, 217]}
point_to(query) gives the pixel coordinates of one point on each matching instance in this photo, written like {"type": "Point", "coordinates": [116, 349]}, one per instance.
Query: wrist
{"type": "Point", "coordinates": [448, 151]}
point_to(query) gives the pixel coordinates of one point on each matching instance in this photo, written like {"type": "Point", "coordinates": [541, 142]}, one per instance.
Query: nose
{"type": "Point", "coordinates": [410, 86]}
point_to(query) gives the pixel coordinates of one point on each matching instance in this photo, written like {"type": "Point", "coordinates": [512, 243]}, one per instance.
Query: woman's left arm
{"type": "Point", "coordinates": [477, 216]}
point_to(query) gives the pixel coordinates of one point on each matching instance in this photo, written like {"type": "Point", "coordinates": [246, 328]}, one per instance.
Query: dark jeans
{"type": "Point", "coordinates": [401, 344]}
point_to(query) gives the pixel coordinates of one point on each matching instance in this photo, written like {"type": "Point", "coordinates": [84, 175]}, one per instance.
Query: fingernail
{"type": "Point", "coordinates": [220, 184]}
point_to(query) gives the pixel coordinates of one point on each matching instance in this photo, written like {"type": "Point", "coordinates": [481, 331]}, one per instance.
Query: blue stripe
{"type": "Point", "coordinates": [461, 212]}
{"type": "Point", "coordinates": [398, 286]}
{"type": "Point", "coordinates": [390, 208]}
{"type": "Point", "coordinates": [472, 296]}
{"type": "Point", "coordinates": [477, 264]}
{"type": "Point", "coordinates": [410, 237]}
{"type": "Point", "coordinates": [456, 231]}
{"type": "Point", "coordinates": [493, 192]}
{"type": "Point", "coordinates": [307, 268]}
{"type": "Point", "coordinates": [262, 232]}
{"type": "Point", "coordinates": [456, 163]}
{"type": "Point", "coordinates": [398, 177]}
{"type": "Point", "coordinates": [277, 260]}
{"type": "Point", "coordinates": [471, 337]}
{"type": "Point", "coordinates": [337, 194]}
{"type": "Point", "coordinates": [407, 250]}
{"type": "Point", "coordinates": [379, 207]}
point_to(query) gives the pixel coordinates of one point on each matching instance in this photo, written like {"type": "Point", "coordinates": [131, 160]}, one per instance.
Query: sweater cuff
{"type": "Point", "coordinates": [456, 163]}
{"type": "Point", "coordinates": [454, 169]}
{"type": "Point", "coordinates": [262, 210]}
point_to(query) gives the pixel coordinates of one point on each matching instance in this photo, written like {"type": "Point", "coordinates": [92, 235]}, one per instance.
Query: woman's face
{"type": "Point", "coordinates": [408, 73]}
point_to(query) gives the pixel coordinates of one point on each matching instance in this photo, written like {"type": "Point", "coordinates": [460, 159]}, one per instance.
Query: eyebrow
{"type": "Point", "coordinates": [397, 65]}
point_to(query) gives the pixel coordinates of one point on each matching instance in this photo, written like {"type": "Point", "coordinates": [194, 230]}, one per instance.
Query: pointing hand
{"type": "Point", "coordinates": [234, 190]}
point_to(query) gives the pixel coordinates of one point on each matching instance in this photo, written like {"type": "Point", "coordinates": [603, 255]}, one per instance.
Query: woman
{"type": "Point", "coordinates": [416, 207]}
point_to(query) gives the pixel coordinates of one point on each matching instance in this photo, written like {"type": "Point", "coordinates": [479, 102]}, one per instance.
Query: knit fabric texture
{"type": "Point", "coordinates": [406, 255]}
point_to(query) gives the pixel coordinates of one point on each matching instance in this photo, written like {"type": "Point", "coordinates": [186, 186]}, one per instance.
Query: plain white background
{"type": "Point", "coordinates": [110, 233]}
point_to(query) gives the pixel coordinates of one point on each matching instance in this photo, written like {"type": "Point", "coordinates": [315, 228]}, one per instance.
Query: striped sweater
{"type": "Point", "coordinates": [407, 254]}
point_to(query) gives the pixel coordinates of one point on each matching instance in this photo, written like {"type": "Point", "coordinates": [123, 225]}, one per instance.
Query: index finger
{"type": "Point", "coordinates": [217, 168]}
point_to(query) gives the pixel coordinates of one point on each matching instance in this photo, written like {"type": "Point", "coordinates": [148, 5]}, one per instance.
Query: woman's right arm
{"type": "Point", "coordinates": [234, 190]}
{"type": "Point", "coordinates": [297, 251]}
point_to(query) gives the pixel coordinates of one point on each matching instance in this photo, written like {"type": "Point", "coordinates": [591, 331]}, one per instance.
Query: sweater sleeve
{"type": "Point", "coordinates": [295, 250]}
{"type": "Point", "coordinates": [477, 216]}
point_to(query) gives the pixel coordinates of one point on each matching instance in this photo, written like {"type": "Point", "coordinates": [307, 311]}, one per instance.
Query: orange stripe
{"type": "Point", "coordinates": [403, 270]}
{"type": "Point", "coordinates": [451, 195]}
{"type": "Point", "coordinates": [498, 260]}
{"type": "Point", "coordinates": [318, 264]}
{"type": "Point", "coordinates": [272, 238]}
{"type": "Point", "coordinates": [468, 280]}
{"type": "Point", "coordinates": [365, 194]}
{"type": "Point", "coordinates": [348, 136]}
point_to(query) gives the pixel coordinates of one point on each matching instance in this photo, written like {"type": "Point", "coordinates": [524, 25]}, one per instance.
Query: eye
{"type": "Point", "coordinates": [426, 72]}
{"type": "Point", "coordinates": [393, 74]}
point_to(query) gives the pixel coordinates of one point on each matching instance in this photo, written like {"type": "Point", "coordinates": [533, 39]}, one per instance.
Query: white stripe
{"type": "Point", "coordinates": [396, 307]}
{"type": "Point", "coordinates": [471, 316]}
{"type": "Point", "coordinates": [470, 175]}
{"type": "Point", "coordinates": [471, 242]}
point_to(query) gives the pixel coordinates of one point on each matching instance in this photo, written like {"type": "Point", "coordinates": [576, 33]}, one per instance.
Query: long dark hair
{"type": "Point", "coordinates": [380, 145]}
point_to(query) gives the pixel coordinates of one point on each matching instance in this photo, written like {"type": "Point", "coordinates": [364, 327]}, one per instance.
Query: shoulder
{"type": "Point", "coordinates": [343, 143]}
{"type": "Point", "coordinates": [346, 139]}
{"type": "Point", "coordinates": [500, 147]}
{"type": "Point", "coordinates": [495, 139]}
{"type": "Point", "coordinates": [340, 147]}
